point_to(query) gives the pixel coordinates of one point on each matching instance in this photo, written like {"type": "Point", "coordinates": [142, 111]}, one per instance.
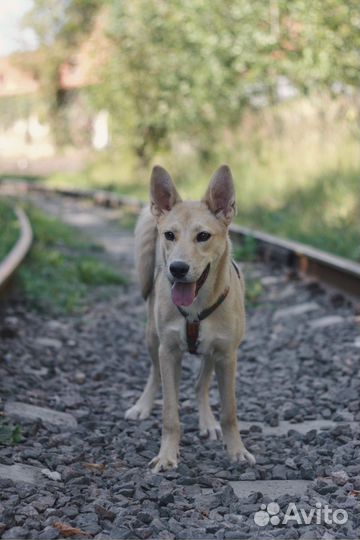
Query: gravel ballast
{"type": "Point", "coordinates": [90, 466]}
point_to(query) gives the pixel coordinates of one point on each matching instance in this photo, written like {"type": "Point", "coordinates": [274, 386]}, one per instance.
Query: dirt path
{"type": "Point", "coordinates": [68, 382]}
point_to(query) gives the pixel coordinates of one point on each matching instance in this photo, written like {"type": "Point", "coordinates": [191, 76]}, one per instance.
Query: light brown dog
{"type": "Point", "coordinates": [195, 297]}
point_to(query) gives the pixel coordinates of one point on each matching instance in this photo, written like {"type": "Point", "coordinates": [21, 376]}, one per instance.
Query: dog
{"type": "Point", "coordinates": [195, 299]}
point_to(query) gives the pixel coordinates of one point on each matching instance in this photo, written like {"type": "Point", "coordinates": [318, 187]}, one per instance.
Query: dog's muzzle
{"type": "Point", "coordinates": [184, 293]}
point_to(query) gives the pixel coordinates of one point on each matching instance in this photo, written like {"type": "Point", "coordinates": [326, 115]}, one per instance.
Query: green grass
{"type": "Point", "coordinates": [325, 214]}
{"type": "Point", "coordinates": [62, 269]}
{"type": "Point", "coordinates": [9, 434]}
{"type": "Point", "coordinates": [9, 227]}
{"type": "Point", "coordinates": [93, 272]}
{"type": "Point", "coordinates": [253, 291]}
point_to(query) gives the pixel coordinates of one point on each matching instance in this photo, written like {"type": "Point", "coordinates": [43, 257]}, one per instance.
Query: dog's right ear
{"type": "Point", "coordinates": [163, 192]}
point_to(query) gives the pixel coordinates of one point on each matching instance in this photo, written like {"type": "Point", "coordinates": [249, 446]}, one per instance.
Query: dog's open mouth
{"type": "Point", "coordinates": [183, 293]}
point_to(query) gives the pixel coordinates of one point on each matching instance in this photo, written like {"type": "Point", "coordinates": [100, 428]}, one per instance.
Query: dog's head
{"type": "Point", "coordinates": [193, 235]}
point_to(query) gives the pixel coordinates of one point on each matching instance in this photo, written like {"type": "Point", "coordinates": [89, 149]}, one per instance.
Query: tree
{"type": "Point", "coordinates": [190, 66]}
{"type": "Point", "coordinates": [59, 26]}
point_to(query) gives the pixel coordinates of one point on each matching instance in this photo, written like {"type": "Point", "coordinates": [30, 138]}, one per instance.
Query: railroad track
{"type": "Point", "coordinates": [67, 382]}
{"type": "Point", "coordinates": [300, 258]}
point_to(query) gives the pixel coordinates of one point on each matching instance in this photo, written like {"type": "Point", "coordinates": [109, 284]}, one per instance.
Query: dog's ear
{"type": "Point", "coordinates": [220, 195]}
{"type": "Point", "coordinates": [163, 192]}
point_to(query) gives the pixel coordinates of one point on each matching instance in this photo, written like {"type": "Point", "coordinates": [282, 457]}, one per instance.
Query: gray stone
{"type": "Point", "coordinates": [32, 412]}
{"type": "Point", "coordinates": [289, 462]}
{"type": "Point", "coordinates": [88, 522]}
{"type": "Point", "coordinates": [307, 472]}
{"type": "Point", "coordinates": [324, 322]}
{"type": "Point", "coordinates": [21, 473]}
{"type": "Point", "coordinates": [300, 427]}
{"type": "Point", "coordinates": [28, 510]}
{"type": "Point", "coordinates": [279, 472]}
{"type": "Point", "coordinates": [249, 475]}
{"type": "Point", "coordinates": [48, 342]}
{"type": "Point", "coordinates": [291, 412]}
{"type": "Point", "coordinates": [15, 533]}
{"type": "Point", "coordinates": [44, 502]}
{"type": "Point", "coordinates": [294, 311]}
{"type": "Point", "coordinates": [272, 280]}
{"type": "Point", "coordinates": [166, 498]}
{"type": "Point", "coordinates": [340, 477]}
{"type": "Point", "coordinates": [49, 533]}
{"type": "Point", "coordinates": [271, 488]}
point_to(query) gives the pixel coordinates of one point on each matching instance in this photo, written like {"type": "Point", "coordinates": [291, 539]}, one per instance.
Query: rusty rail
{"type": "Point", "coordinates": [336, 271]}
{"type": "Point", "coordinates": [15, 257]}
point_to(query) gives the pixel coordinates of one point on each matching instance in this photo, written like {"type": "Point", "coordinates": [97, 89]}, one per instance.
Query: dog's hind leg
{"type": "Point", "coordinates": [144, 404]}
{"type": "Point", "coordinates": [208, 425]}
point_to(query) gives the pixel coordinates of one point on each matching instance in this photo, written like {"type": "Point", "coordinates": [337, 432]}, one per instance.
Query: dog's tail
{"type": "Point", "coordinates": [145, 250]}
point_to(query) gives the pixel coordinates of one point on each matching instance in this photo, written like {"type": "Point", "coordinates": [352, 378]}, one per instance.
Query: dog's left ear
{"type": "Point", "coordinates": [220, 195]}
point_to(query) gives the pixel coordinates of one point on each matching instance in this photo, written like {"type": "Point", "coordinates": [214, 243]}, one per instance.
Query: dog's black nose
{"type": "Point", "coordinates": [179, 269]}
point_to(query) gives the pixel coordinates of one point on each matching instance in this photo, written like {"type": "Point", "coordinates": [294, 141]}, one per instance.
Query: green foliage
{"type": "Point", "coordinates": [186, 67]}
{"type": "Point", "coordinates": [9, 434]}
{"type": "Point", "coordinates": [9, 227]}
{"type": "Point", "coordinates": [56, 21]}
{"type": "Point", "coordinates": [61, 270]}
{"type": "Point", "coordinates": [247, 251]}
{"type": "Point", "coordinates": [183, 67]}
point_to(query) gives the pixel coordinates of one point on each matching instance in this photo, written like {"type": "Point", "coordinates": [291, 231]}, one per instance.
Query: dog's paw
{"type": "Point", "coordinates": [241, 455]}
{"type": "Point", "coordinates": [210, 429]}
{"type": "Point", "coordinates": [137, 412]}
{"type": "Point", "coordinates": [164, 461]}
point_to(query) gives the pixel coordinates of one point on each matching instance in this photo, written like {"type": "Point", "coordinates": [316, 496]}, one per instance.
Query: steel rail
{"type": "Point", "coordinates": [17, 254]}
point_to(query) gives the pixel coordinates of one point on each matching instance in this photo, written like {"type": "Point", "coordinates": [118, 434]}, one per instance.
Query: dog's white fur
{"type": "Point", "coordinates": [220, 333]}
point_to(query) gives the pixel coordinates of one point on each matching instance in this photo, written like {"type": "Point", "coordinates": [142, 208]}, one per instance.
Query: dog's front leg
{"type": "Point", "coordinates": [225, 367]}
{"type": "Point", "coordinates": [170, 367]}
{"type": "Point", "coordinates": [208, 425]}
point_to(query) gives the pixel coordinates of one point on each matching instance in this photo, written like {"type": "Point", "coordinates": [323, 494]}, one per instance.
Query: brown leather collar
{"type": "Point", "coordinates": [193, 327]}
{"type": "Point", "coordinates": [202, 279]}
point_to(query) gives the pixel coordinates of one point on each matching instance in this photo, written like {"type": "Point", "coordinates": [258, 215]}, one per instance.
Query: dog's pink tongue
{"type": "Point", "coordinates": [183, 294]}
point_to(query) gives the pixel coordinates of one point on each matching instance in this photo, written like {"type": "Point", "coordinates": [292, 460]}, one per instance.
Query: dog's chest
{"type": "Point", "coordinates": [203, 340]}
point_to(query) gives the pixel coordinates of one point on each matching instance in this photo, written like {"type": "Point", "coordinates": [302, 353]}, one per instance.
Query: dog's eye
{"type": "Point", "coordinates": [169, 235]}
{"type": "Point", "coordinates": [203, 236]}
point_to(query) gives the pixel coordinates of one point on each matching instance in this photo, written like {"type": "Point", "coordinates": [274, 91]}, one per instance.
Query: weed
{"type": "Point", "coordinates": [253, 291]}
{"type": "Point", "coordinates": [9, 434]}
